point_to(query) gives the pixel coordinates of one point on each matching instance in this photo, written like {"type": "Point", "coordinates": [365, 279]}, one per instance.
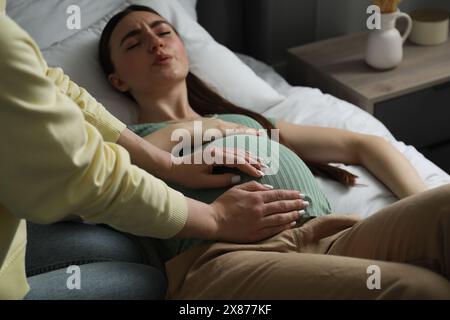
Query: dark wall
{"type": "Point", "coordinates": [280, 24]}
{"type": "Point", "coordinates": [263, 29]}
{"type": "Point", "coordinates": [225, 21]}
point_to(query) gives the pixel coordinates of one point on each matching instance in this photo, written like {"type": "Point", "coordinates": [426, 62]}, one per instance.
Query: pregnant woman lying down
{"type": "Point", "coordinates": [322, 254]}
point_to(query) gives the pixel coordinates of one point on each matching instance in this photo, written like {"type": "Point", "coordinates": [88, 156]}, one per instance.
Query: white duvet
{"type": "Point", "coordinates": [310, 106]}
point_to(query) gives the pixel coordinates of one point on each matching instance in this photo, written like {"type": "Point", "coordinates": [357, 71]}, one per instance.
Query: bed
{"type": "Point", "coordinates": [302, 105]}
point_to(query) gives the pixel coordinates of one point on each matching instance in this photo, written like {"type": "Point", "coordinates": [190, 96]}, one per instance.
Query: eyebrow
{"type": "Point", "coordinates": [135, 32]}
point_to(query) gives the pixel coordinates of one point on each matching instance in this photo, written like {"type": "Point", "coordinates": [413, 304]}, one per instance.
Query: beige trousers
{"type": "Point", "coordinates": [400, 252]}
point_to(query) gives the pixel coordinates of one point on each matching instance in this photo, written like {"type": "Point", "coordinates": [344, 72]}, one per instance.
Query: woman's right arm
{"type": "Point", "coordinates": [248, 212]}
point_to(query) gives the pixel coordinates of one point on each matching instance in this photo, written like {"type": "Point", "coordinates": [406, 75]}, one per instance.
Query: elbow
{"type": "Point", "coordinates": [365, 144]}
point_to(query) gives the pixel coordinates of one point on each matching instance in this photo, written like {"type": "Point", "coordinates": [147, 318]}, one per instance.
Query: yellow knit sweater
{"type": "Point", "coordinates": [59, 159]}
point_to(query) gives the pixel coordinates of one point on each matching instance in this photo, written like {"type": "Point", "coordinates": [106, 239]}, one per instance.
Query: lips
{"type": "Point", "coordinates": [163, 59]}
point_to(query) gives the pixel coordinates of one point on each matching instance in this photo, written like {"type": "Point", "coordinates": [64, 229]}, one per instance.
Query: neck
{"type": "Point", "coordinates": [165, 105]}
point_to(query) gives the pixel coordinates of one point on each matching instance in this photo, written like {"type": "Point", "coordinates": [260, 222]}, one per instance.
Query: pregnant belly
{"type": "Point", "coordinates": [286, 171]}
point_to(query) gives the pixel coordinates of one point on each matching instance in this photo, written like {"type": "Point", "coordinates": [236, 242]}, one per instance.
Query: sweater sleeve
{"type": "Point", "coordinates": [94, 112]}
{"type": "Point", "coordinates": [56, 165]}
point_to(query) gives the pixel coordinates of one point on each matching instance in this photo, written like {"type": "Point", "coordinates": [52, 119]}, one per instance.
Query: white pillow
{"type": "Point", "coordinates": [190, 7]}
{"type": "Point", "coordinates": [210, 61]}
{"type": "Point", "coordinates": [29, 14]}
{"type": "Point", "coordinates": [46, 20]}
{"type": "Point", "coordinates": [78, 57]}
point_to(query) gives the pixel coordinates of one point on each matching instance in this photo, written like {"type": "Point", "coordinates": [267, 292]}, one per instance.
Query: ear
{"type": "Point", "coordinates": [118, 83]}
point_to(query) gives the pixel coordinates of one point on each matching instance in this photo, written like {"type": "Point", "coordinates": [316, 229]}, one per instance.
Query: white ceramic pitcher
{"type": "Point", "coordinates": [385, 46]}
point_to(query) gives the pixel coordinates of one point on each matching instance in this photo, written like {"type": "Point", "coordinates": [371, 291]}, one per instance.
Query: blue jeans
{"type": "Point", "coordinates": [112, 265]}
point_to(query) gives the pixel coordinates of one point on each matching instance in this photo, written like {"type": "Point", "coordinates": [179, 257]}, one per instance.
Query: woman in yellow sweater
{"type": "Point", "coordinates": [143, 56]}
{"type": "Point", "coordinates": [63, 157]}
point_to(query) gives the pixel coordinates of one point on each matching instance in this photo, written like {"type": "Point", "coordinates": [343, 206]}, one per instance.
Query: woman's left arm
{"type": "Point", "coordinates": [376, 154]}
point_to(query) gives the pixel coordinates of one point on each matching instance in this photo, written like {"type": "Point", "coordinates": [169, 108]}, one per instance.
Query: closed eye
{"type": "Point", "coordinates": [133, 46]}
{"type": "Point", "coordinates": [161, 35]}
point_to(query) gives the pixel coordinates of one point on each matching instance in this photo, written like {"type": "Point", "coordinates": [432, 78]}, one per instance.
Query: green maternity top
{"type": "Point", "coordinates": [289, 172]}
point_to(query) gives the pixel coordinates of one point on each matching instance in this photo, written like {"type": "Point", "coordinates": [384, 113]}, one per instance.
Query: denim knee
{"type": "Point", "coordinates": [51, 247]}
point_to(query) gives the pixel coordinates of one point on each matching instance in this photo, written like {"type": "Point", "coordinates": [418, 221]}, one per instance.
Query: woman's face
{"type": "Point", "coordinates": [147, 54]}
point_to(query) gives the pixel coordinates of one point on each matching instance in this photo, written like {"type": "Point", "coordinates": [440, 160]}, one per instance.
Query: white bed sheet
{"type": "Point", "coordinates": [309, 106]}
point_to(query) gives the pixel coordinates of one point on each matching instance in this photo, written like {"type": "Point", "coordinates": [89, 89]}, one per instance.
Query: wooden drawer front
{"type": "Point", "coordinates": [420, 119]}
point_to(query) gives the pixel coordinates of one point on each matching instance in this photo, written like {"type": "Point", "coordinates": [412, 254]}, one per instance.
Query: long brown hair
{"type": "Point", "coordinates": [206, 101]}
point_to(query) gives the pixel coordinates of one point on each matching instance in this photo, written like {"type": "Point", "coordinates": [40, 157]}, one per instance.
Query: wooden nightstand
{"type": "Point", "coordinates": [412, 100]}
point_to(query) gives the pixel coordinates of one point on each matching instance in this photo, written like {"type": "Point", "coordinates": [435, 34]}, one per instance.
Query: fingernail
{"type": "Point", "coordinates": [264, 165]}
{"type": "Point", "coordinates": [306, 203]}
{"type": "Point", "coordinates": [300, 213]}
{"type": "Point", "coordinates": [302, 196]}
{"type": "Point", "coordinates": [261, 174]}
{"type": "Point", "coordinates": [268, 186]}
{"type": "Point", "coordinates": [293, 223]}
{"type": "Point", "coordinates": [235, 179]}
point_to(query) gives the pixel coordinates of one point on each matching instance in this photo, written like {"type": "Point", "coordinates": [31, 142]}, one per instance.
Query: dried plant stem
{"type": "Point", "coordinates": [387, 6]}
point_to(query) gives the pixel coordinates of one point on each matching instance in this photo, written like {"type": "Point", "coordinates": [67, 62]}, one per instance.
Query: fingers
{"type": "Point", "coordinates": [233, 156]}
{"type": "Point", "coordinates": [242, 160]}
{"type": "Point", "coordinates": [247, 169]}
{"type": "Point", "coordinates": [246, 130]}
{"type": "Point", "coordinates": [280, 220]}
{"type": "Point", "coordinates": [242, 156]}
{"type": "Point", "coordinates": [277, 195]}
{"type": "Point", "coordinates": [240, 129]}
{"type": "Point", "coordinates": [254, 186]}
{"type": "Point", "coordinates": [220, 180]}
{"type": "Point", "coordinates": [231, 128]}
{"type": "Point", "coordinates": [285, 206]}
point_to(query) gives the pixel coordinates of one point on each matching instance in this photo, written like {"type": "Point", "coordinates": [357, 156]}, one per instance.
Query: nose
{"type": "Point", "coordinates": [155, 42]}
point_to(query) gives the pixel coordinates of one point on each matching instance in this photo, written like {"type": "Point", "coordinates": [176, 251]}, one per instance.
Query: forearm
{"type": "Point", "coordinates": [145, 155]}
{"type": "Point", "coordinates": [95, 113]}
{"type": "Point", "coordinates": [160, 140]}
{"type": "Point", "coordinates": [391, 167]}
